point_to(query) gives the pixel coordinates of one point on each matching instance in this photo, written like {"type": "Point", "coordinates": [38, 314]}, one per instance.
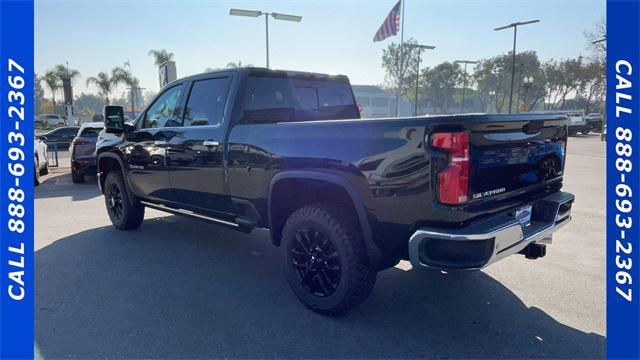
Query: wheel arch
{"type": "Point", "coordinates": [317, 180]}
{"type": "Point", "coordinates": [107, 162]}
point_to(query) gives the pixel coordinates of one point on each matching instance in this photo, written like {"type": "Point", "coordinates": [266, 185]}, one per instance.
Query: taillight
{"type": "Point", "coordinates": [453, 181]}
{"type": "Point", "coordinates": [77, 141]}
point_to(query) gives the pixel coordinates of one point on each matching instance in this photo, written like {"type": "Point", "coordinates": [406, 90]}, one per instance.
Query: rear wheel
{"type": "Point", "coordinates": [125, 214]}
{"type": "Point", "coordinates": [326, 261]}
{"type": "Point", "coordinates": [76, 176]}
{"type": "Point", "coordinates": [585, 132]}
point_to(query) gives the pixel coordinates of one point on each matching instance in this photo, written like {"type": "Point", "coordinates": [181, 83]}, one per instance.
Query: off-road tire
{"type": "Point", "coordinates": [356, 279]}
{"type": "Point", "coordinates": [125, 213]}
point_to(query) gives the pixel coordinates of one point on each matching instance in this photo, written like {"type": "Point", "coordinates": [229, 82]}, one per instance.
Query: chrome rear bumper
{"type": "Point", "coordinates": [489, 240]}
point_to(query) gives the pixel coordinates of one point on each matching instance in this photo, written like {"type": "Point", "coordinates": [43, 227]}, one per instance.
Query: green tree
{"type": "Point", "coordinates": [63, 71]}
{"type": "Point", "coordinates": [399, 63]}
{"type": "Point", "coordinates": [564, 78]}
{"type": "Point", "coordinates": [38, 92]}
{"type": "Point", "coordinates": [439, 84]}
{"type": "Point", "coordinates": [161, 56]}
{"type": "Point", "coordinates": [53, 83]}
{"type": "Point", "coordinates": [493, 81]}
{"type": "Point", "coordinates": [89, 101]}
{"type": "Point", "coordinates": [122, 76]}
{"type": "Point", "coordinates": [105, 84]}
{"type": "Point", "coordinates": [239, 64]}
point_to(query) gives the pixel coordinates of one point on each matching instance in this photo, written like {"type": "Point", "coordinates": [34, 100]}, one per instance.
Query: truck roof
{"type": "Point", "coordinates": [245, 71]}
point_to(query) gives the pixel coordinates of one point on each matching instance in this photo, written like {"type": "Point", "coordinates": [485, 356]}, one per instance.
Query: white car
{"type": "Point", "coordinates": [51, 119]}
{"type": "Point", "coordinates": [40, 161]}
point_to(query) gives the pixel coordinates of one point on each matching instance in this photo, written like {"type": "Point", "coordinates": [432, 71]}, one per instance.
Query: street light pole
{"type": "Point", "coordinates": [464, 82]}
{"type": "Point", "coordinates": [266, 23]}
{"type": "Point", "coordinates": [255, 13]}
{"type": "Point", "coordinates": [513, 64]}
{"type": "Point", "coordinates": [420, 48]}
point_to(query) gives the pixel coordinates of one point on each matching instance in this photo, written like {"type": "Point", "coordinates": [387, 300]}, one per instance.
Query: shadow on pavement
{"type": "Point", "coordinates": [176, 288]}
{"type": "Point", "coordinates": [60, 185]}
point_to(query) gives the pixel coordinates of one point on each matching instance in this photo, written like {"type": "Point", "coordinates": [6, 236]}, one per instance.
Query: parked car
{"type": "Point", "coordinates": [62, 136]}
{"type": "Point", "coordinates": [40, 160]}
{"type": "Point", "coordinates": [577, 122]}
{"type": "Point", "coordinates": [51, 119]}
{"type": "Point", "coordinates": [594, 120]}
{"type": "Point", "coordinates": [83, 151]}
{"type": "Point", "coordinates": [345, 197]}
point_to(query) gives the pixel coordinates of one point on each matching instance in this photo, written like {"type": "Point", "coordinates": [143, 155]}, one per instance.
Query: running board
{"type": "Point", "coordinates": [192, 214]}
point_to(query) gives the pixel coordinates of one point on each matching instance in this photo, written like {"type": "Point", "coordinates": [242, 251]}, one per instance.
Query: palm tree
{"type": "Point", "coordinates": [63, 71]}
{"type": "Point", "coordinates": [52, 81]}
{"type": "Point", "coordinates": [121, 76]}
{"type": "Point", "coordinates": [161, 56]}
{"type": "Point", "coordinates": [104, 83]}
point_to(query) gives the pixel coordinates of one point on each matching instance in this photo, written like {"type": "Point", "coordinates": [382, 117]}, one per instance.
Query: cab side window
{"type": "Point", "coordinates": [206, 102]}
{"type": "Point", "coordinates": [165, 110]}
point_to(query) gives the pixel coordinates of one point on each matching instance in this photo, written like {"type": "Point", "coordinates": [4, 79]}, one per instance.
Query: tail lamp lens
{"type": "Point", "coordinates": [80, 142]}
{"type": "Point", "coordinates": [453, 181]}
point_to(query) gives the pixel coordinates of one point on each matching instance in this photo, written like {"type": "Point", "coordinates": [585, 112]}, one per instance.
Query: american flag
{"type": "Point", "coordinates": [391, 24]}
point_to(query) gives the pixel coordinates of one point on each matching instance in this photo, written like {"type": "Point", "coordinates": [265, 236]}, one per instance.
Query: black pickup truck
{"type": "Point", "coordinates": [345, 197]}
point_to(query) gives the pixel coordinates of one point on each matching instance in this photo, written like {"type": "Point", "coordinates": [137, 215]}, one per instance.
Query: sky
{"type": "Point", "coordinates": [334, 36]}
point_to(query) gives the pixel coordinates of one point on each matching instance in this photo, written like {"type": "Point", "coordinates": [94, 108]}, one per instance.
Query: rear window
{"type": "Point", "coordinates": [280, 98]}
{"type": "Point", "coordinates": [90, 132]}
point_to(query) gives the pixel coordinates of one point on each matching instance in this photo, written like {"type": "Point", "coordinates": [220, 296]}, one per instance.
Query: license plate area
{"type": "Point", "coordinates": [523, 215]}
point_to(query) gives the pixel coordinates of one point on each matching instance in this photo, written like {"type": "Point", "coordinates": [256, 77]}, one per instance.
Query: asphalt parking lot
{"type": "Point", "coordinates": [179, 288]}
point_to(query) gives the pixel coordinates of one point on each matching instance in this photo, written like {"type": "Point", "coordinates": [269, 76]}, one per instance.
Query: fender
{"type": "Point", "coordinates": [112, 155]}
{"type": "Point", "coordinates": [373, 251]}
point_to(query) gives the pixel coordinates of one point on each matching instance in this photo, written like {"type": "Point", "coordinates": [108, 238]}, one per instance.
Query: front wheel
{"type": "Point", "coordinates": [326, 260]}
{"type": "Point", "coordinates": [125, 213]}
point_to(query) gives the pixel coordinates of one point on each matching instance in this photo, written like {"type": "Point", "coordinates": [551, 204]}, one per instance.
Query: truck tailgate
{"type": "Point", "coordinates": [510, 155]}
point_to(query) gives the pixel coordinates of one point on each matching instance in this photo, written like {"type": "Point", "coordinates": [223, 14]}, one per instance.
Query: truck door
{"type": "Point", "coordinates": [195, 156]}
{"type": "Point", "coordinates": [145, 152]}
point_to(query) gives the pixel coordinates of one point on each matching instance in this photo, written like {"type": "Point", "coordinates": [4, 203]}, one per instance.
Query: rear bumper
{"type": "Point", "coordinates": [491, 239]}
{"type": "Point", "coordinates": [85, 165]}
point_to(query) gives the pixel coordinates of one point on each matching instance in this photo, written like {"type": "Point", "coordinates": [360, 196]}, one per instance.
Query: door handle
{"type": "Point", "coordinates": [160, 142]}
{"type": "Point", "coordinates": [211, 143]}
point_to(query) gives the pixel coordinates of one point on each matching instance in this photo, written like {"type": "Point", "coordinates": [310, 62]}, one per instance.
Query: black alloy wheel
{"type": "Point", "coordinates": [115, 201]}
{"type": "Point", "coordinates": [316, 261]}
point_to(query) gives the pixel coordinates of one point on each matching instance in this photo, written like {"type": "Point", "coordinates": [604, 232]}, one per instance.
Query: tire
{"type": "Point", "coordinates": [335, 276]}
{"type": "Point", "coordinates": [124, 213]}
{"type": "Point", "coordinates": [585, 132]}
{"type": "Point", "coordinates": [45, 170]}
{"type": "Point", "coordinates": [36, 172]}
{"type": "Point", "coordinates": [77, 177]}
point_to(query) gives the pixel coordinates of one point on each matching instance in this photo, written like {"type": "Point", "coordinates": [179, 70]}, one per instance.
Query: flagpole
{"type": "Point", "coordinates": [401, 60]}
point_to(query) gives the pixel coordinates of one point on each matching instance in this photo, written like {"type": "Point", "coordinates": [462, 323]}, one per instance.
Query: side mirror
{"type": "Point", "coordinates": [114, 119]}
